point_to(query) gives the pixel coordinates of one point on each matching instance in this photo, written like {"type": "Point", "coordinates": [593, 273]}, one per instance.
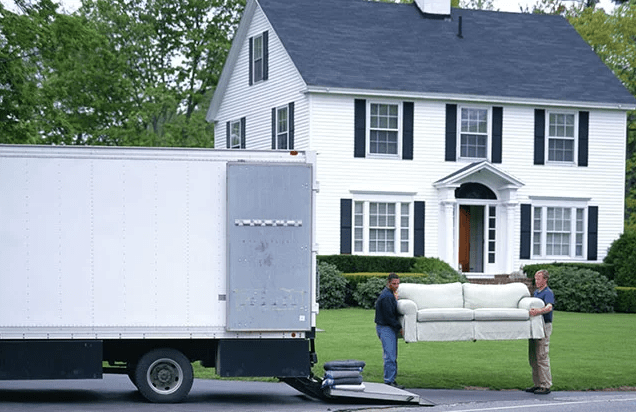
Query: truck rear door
{"type": "Point", "coordinates": [269, 246]}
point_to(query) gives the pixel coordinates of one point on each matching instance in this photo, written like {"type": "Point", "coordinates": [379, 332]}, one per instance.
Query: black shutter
{"type": "Point", "coordinates": [290, 123]}
{"type": "Point", "coordinates": [243, 121]}
{"type": "Point", "coordinates": [592, 233]}
{"type": "Point", "coordinates": [539, 136]}
{"type": "Point", "coordinates": [227, 135]}
{"type": "Point", "coordinates": [451, 132]}
{"type": "Point", "coordinates": [418, 230]}
{"type": "Point", "coordinates": [251, 58]}
{"type": "Point", "coordinates": [274, 128]}
{"type": "Point", "coordinates": [497, 134]}
{"type": "Point", "coordinates": [345, 225]}
{"type": "Point", "coordinates": [360, 133]}
{"type": "Point", "coordinates": [584, 127]}
{"type": "Point", "coordinates": [526, 231]}
{"type": "Point", "coordinates": [407, 126]}
{"type": "Point", "coordinates": [265, 55]}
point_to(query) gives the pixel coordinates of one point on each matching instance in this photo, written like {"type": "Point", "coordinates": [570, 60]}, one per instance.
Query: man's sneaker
{"type": "Point", "coordinates": [542, 391]}
{"type": "Point", "coordinates": [532, 389]}
{"type": "Point", "coordinates": [395, 385]}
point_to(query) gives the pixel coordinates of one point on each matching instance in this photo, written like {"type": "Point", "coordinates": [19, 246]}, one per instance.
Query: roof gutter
{"type": "Point", "coordinates": [467, 98]}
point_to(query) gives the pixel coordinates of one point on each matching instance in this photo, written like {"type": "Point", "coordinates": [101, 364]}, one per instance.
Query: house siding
{"type": "Point", "coordinates": [332, 126]}
{"type": "Point", "coordinates": [255, 102]}
{"type": "Point", "coordinates": [324, 122]}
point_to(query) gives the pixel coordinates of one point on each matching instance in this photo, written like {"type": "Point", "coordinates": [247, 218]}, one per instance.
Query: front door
{"type": "Point", "coordinates": [471, 238]}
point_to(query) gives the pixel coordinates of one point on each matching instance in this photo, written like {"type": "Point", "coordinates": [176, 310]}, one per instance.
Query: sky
{"type": "Point", "coordinates": [502, 5]}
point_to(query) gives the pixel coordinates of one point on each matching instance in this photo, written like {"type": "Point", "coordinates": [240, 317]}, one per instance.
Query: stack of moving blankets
{"type": "Point", "coordinates": [344, 374]}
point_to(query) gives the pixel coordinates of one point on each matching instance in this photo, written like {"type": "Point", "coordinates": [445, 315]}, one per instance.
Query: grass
{"type": "Point", "coordinates": [587, 351]}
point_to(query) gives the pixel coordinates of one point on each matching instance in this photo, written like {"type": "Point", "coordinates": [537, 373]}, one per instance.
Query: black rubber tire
{"type": "Point", "coordinates": [164, 376]}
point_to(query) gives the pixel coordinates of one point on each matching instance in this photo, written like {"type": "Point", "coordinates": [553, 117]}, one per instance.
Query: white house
{"type": "Point", "coordinates": [490, 140]}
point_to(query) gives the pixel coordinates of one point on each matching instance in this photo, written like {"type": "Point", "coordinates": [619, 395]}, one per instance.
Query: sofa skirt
{"type": "Point", "coordinates": [444, 331]}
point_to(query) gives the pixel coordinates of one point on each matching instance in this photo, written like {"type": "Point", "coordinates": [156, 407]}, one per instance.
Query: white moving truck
{"type": "Point", "coordinates": [141, 261]}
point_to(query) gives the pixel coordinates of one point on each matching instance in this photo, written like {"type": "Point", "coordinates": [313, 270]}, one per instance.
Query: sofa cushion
{"type": "Point", "coordinates": [494, 296]}
{"type": "Point", "coordinates": [500, 314]}
{"type": "Point", "coordinates": [448, 295]}
{"type": "Point", "coordinates": [445, 314]}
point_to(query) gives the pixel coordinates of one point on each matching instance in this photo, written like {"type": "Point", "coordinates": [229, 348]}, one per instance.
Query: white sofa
{"type": "Point", "coordinates": [456, 311]}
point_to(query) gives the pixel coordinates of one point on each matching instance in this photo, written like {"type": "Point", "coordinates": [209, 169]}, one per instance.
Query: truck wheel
{"type": "Point", "coordinates": [164, 376]}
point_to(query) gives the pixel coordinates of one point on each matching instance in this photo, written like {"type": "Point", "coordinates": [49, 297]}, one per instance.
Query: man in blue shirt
{"type": "Point", "coordinates": [388, 326]}
{"type": "Point", "coordinates": [539, 349]}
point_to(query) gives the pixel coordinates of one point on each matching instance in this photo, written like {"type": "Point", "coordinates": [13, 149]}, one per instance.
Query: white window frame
{"type": "Point", "coordinates": [361, 234]}
{"type": "Point", "coordinates": [258, 58]}
{"type": "Point", "coordinates": [399, 129]}
{"type": "Point", "coordinates": [488, 133]}
{"type": "Point", "coordinates": [549, 137]}
{"type": "Point", "coordinates": [578, 230]}
{"type": "Point", "coordinates": [280, 132]}
{"type": "Point", "coordinates": [235, 124]}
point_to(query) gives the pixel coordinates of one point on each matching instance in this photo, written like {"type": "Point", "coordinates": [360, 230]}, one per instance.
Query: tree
{"type": "Point", "coordinates": [477, 4]}
{"type": "Point", "coordinates": [613, 38]}
{"type": "Point", "coordinates": [48, 76]}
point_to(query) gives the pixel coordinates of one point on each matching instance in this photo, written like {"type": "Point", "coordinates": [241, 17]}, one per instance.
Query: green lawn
{"type": "Point", "coordinates": [587, 351]}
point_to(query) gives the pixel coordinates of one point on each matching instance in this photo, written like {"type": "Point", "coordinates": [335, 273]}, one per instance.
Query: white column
{"type": "Point", "coordinates": [449, 235]}
{"type": "Point", "coordinates": [510, 242]}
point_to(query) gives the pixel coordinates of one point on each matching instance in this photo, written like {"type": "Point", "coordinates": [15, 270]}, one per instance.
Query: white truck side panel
{"type": "Point", "coordinates": [113, 242]}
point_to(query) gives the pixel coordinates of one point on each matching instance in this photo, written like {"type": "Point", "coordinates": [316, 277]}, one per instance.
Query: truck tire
{"type": "Point", "coordinates": [164, 376]}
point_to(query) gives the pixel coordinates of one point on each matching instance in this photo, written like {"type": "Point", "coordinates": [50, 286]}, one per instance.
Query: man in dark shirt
{"type": "Point", "coordinates": [387, 325]}
{"type": "Point", "coordinates": [539, 349]}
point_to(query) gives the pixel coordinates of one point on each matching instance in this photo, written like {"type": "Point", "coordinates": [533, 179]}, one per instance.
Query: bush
{"type": "Point", "coordinates": [625, 300]}
{"type": "Point", "coordinates": [581, 290]}
{"type": "Point", "coordinates": [604, 269]}
{"type": "Point", "coordinates": [432, 265]}
{"type": "Point", "coordinates": [622, 255]}
{"type": "Point", "coordinates": [367, 293]}
{"type": "Point", "coordinates": [332, 286]}
{"type": "Point", "coordinates": [359, 263]}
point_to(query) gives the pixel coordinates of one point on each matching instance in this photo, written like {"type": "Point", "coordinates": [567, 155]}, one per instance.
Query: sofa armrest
{"type": "Point", "coordinates": [528, 303]}
{"type": "Point", "coordinates": [408, 309]}
{"type": "Point", "coordinates": [536, 322]}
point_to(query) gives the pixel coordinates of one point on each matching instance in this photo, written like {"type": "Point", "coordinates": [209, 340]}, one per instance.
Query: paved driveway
{"type": "Point", "coordinates": [115, 392]}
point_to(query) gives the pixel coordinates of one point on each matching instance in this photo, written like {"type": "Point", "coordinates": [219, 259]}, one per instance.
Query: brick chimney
{"type": "Point", "coordinates": [436, 7]}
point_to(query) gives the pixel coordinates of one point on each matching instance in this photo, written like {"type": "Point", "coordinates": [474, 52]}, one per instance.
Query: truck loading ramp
{"type": "Point", "coordinates": [373, 392]}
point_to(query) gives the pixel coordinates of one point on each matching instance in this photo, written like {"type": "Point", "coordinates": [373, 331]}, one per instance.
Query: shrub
{"type": "Point", "coordinates": [622, 255]}
{"type": "Point", "coordinates": [332, 286]}
{"type": "Point", "coordinates": [604, 269]}
{"type": "Point", "coordinates": [625, 300]}
{"type": "Point", "coordinates": [581, 290]}
{"type": "Point", "coordinates": [366, 293]}
{"type": "Point", "coordinates": [432, 265]}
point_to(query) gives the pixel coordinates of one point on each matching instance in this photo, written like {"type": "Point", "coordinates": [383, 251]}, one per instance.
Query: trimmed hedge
{"type": "Point", "coordinates": [359, 263]}
{"type": "Point", "coordinates": [626, 299]}
{"type": "Point", "coordinates": [603, 269]}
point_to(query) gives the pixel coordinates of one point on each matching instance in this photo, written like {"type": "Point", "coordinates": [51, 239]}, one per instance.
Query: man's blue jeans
{"type": "Point", "coordinates": [389, 338]}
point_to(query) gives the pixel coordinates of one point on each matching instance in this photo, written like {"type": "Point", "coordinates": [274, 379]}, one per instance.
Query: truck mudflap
{"type": "Point", "coordinates": [373, 392]}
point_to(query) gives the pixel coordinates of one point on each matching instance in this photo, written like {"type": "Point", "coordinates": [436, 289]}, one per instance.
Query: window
{"type": "Point", "coordinates": [561, 137]}
{"type": "Point", "coordinates": [382, 227]}
{"type": "Point", "coordinates": [257, 58]}
{"type": "Point", "coordinates": [282, 128]}
{"type": "Point", "coordinates": [492, 233]}
{"type": "Point", "coordinates": [235, 134]}
{"type": "Point", "coordinates": [558, 231]}
{"type": "Point", "coordinates": [473, 142]}
{"type": "Point", "coordinates": [384, 129]}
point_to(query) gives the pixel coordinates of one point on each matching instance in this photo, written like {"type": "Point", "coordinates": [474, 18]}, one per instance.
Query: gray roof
{"type": "Point", "coordinates": [359, 44]}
